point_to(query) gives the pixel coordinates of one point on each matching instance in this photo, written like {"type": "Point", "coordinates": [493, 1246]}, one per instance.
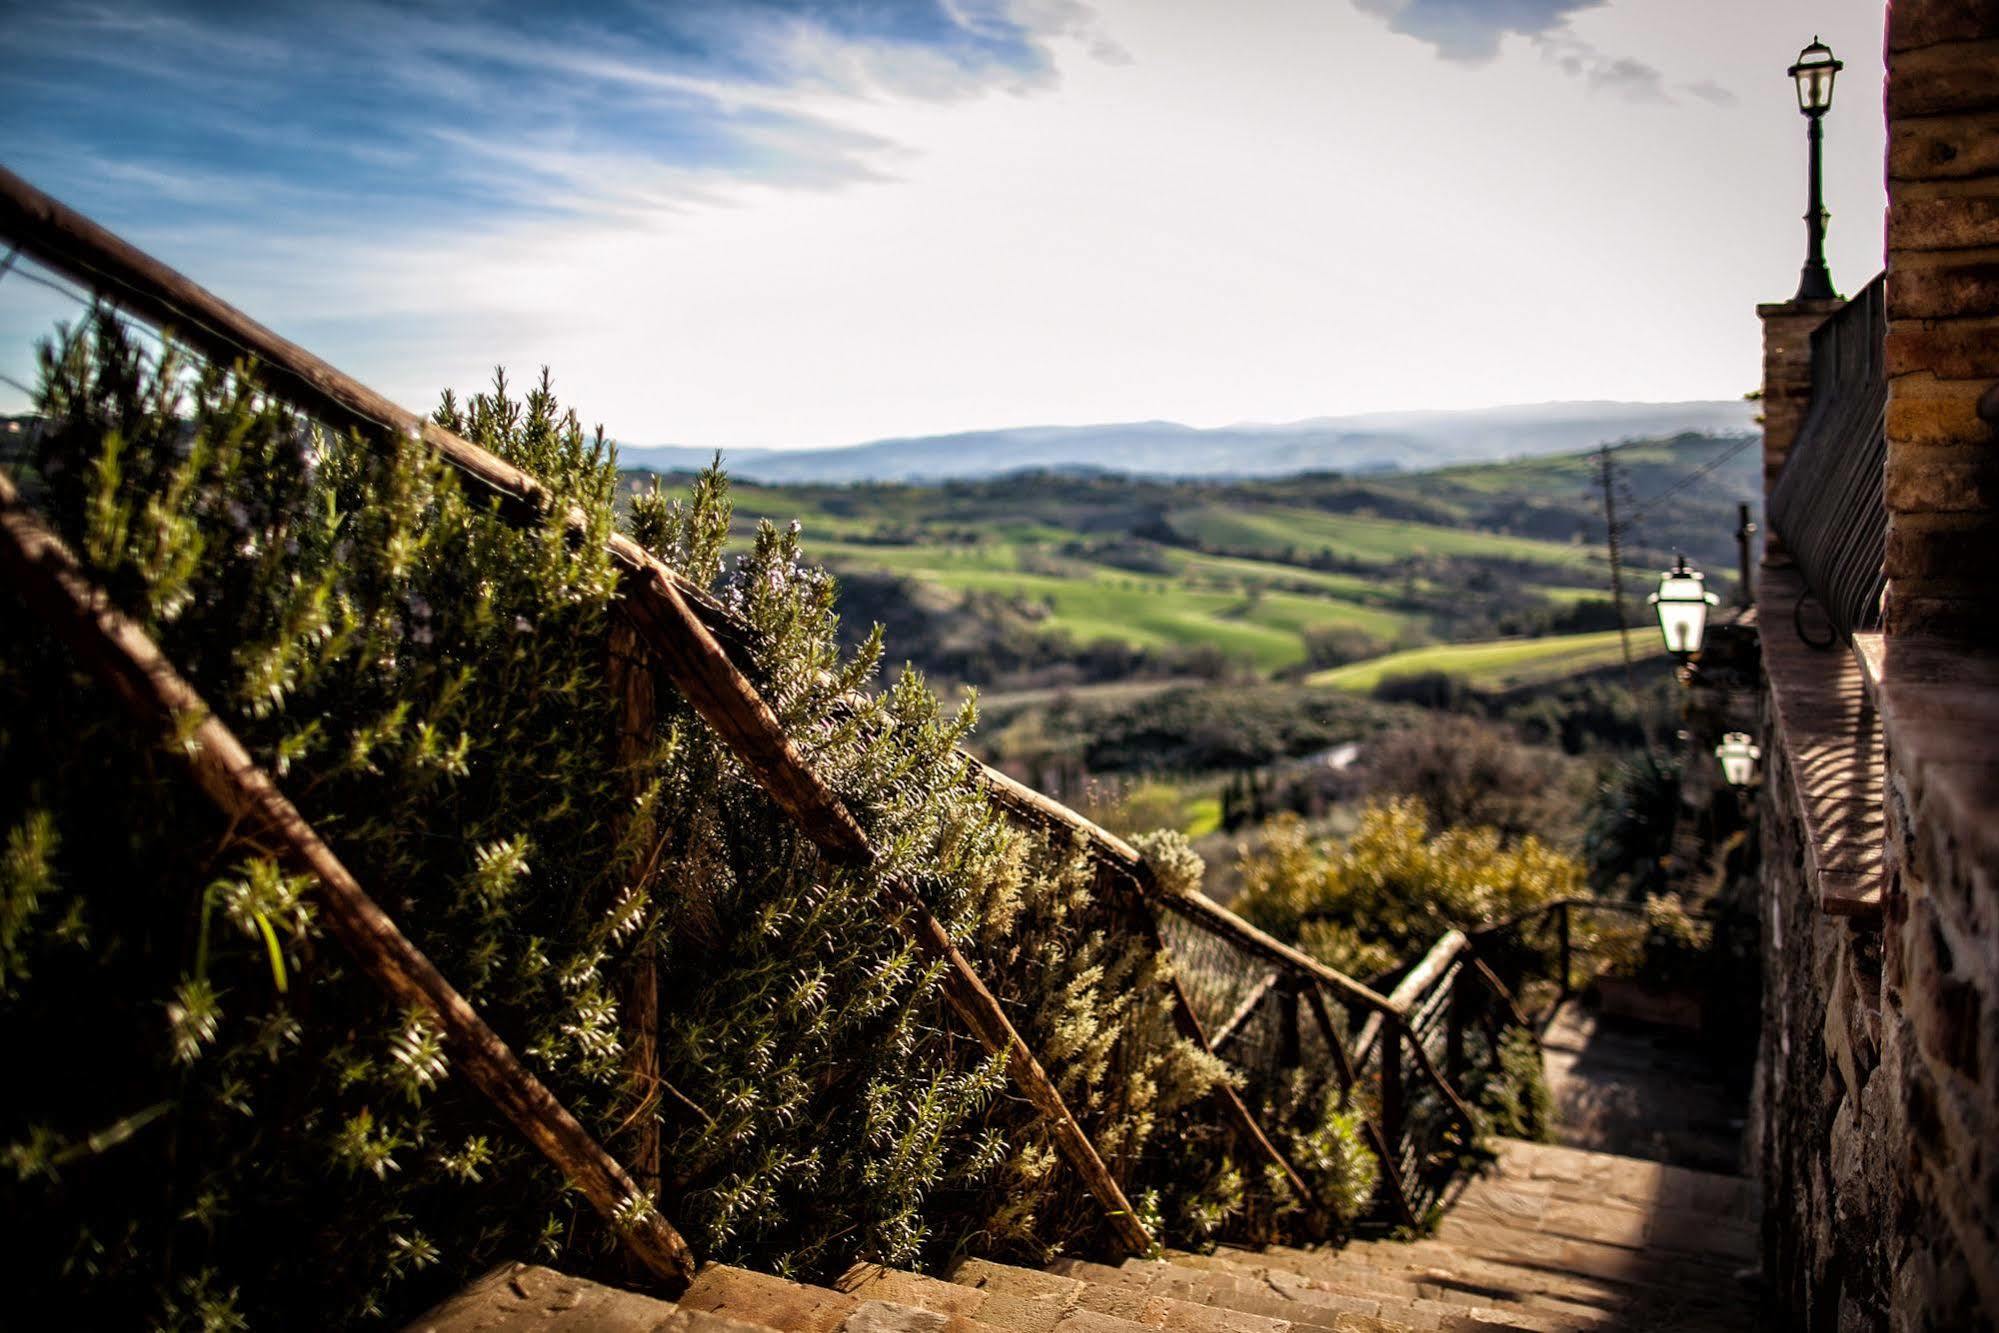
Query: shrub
{"type": "Point", "coordinates": [1513, 1093]}
{"type": "Point", "coordinates": [1394, 886]}
{"type": "Point", "coordinates": [429, 684]}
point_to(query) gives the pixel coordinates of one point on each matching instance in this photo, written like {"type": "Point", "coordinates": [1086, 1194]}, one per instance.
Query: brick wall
{"type": "Point", "coordinates": [1877, 1118]}
{"type": "Point", "coordinates": [1787, 388]}
{"type": "Point", "coordinates": [1943, 311]}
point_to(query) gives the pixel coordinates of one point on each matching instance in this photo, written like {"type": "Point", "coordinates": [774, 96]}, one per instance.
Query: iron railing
{"type": "Point", "coordinates": [1827, 505]}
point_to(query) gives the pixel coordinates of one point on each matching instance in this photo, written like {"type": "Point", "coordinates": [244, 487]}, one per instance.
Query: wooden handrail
{"type": "Point", "coordinates": [123, 656]}
{"type": "Point", "coordinates": [660, 603]}
{"type": "Point", "coordinates": [1428, 972]}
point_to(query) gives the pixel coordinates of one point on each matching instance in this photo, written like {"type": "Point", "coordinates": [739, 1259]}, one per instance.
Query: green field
{"type": "Point", "coordinates": [1092, 601]}
{"type": "Point", "coordinates": [1276, 529]}
{"type": "Point", "coordinates": [1497, 664]}
{"type": "Point", "coordinates": [1015, 575]}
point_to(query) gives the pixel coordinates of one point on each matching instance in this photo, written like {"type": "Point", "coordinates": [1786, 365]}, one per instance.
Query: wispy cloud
{"type": "Point", "coordinates": [1617, 76]}
{"type": "Point", "coordinates": [434, 117]}
{"type": "Point", "coordinates": [1707, 90]}
{"type": "Point", "coordinates": [1470, 31]}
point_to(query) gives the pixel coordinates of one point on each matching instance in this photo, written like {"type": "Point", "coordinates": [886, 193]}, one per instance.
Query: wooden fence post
{"type": "Point", "coordinates": [1562, 934]}
{"type": "Point", "coordinates": [629, 673]}
{"type": "Point", "coordinates": [1393, 1108]}
{"type": "Point", "coordinates": [1454, 1030]}
{"type": "Point", "coordinates": [1289, 1054]}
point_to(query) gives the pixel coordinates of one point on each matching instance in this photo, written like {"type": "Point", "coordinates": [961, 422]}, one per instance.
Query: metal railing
{"type": "Point", "coordinates": [1827, 504]}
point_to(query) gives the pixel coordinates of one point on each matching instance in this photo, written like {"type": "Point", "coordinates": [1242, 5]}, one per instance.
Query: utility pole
{"type": "Point", "coordinates": [1616, 562]}
{"type": "Point", "coordinates": [1744, 531]}
{"type": "Point", "coordinates": [1613, 539]}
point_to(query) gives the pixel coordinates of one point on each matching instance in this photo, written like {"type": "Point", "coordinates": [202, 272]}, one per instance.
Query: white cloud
{"type": "Point", "coordinates": [1267, 210]}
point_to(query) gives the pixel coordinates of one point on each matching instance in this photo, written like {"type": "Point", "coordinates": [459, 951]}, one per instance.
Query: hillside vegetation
{"type": "Point", "coordinates": [1047, 580]}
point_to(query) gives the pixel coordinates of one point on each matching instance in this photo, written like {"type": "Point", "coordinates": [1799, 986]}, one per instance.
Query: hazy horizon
{"type": "Point", "coordinates": [808, 223]}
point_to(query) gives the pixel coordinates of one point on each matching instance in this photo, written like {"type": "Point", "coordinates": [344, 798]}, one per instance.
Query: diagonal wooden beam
{"type": "Point", "coordinates": [678, 623]}
{"type": "Point", "coordinates": [122, 656]}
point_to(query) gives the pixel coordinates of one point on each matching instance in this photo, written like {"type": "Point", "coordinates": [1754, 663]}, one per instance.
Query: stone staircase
{"type": "Point", "coordinates": [1552, 1238]}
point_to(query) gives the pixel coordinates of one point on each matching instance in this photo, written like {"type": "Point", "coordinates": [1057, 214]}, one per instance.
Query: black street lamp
{"type": "Point", "coordinates": [1814, 73]}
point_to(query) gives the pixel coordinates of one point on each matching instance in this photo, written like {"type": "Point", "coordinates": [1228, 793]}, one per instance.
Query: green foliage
{"type": "Point", "coordinates": [1324, 1140]}
{"type": "Point", "coordinates": [1394, 886]}
{"type": "Point", "coordinates": [1631, 826]}
{"type": "Point", "coordinates": [429, 684]}
{"type": "Point", "coordinates": [1512, 1093]}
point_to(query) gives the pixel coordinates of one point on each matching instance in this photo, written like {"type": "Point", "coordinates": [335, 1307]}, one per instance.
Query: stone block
{"type": "Point", "coordinates": [873, 1316]}
{"type": "Point", "coordinates": [1926, 148]}
{"type": "Point", "coordinates": [760, 1298]}
{"type": "Point", "coordinates": [1924, 410]}
{"type": "Point", "coordinates": [986, 1275]}
{"type": "Point", "coordinates": [527, 1298]}
{"type": "Point", "coordinates": [1944, 222]}
{"type": "Point", "coordinates": [1909, 612]}
{"type": "Point", "coordinates": [1946, 284]}
{"type": "Point", "coordinates": [1942, 479]}
{"type": "Point", "coordinates": [1918, 23]}
{"type": "Point", "coordinates": [1943, 79]}
{"type": "Point", "coordinates": [1955, 349]}
{"type": "Point", "coordinates": [873, 1282]}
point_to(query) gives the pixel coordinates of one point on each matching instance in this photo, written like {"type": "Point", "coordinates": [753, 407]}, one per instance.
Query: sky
{"type": "Point", "coordinates": [817, 222]}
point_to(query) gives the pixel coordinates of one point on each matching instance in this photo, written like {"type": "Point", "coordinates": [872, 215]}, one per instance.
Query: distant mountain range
{"type": "Point", "coordinates": [1376, 442]}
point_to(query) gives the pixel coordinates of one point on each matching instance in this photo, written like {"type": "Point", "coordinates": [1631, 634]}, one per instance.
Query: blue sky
{"type": "Point", "coordinates": [802, 222]}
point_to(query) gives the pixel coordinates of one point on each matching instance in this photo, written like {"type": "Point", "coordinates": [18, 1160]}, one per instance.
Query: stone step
{"type": "Point", "coordinates": [795, 1307]}
{"type": "Point", "coordinates": [1419, 1303]}
{"type": "Point", "coordinates": [1586, 1176]}
{"type": "Point", "coordinates": [1573, 1278]}
{"type": "Point", "coordinates": [1060, 1297]}
{"type": "Point", "coordinates": [527, 1298]}
{"type": "Point", "coordinates": [1206, 1302]}
{"type": "Point", "coordinates": [1017, 1300]}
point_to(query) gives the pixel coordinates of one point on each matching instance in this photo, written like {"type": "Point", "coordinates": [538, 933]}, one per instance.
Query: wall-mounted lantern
{"type": "Point", "coordinates": [1682, 604]}
{"type": "Point", "coordinates": [1738, 755]}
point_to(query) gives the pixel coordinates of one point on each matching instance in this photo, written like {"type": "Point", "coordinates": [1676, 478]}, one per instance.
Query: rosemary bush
{"type": "Point", "coordinates": [217, 1123]}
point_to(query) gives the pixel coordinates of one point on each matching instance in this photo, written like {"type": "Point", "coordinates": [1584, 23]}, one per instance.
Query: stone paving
{"type": "Point", "coordinates": [1641, 1091]}
{"type": "Point", "coordinates": [1553, 1238]}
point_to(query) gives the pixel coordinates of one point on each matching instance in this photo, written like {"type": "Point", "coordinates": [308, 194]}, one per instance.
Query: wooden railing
{"type": "Point", "coordinates": [1400, 1057]}
{"type": "Point", "coordinates": [1551, 952]}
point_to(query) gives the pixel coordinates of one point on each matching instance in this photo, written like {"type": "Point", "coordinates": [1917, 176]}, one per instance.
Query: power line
{"type": "Point", "coordinates": [1638, 510]}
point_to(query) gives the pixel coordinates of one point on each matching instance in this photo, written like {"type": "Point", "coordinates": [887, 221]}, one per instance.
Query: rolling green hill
{"type": "Point", "coordinates": [1500, 664]}
{"type": "Point", "coordinates": [1001, 582]}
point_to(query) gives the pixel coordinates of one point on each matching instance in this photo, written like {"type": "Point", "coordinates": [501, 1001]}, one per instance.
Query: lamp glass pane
{"type": "Point", "coordinates": [1736, 768]}
{"type": "Point", "coordinates": [1683, 624]}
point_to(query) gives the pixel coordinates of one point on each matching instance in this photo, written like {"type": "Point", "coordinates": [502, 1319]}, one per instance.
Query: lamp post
{"type": "Point", "coordinates": [1814, 74]}
{"type": "Point", "coordinates": [1682, 603]}
{"type": "Point", "coordinates": [1738, 755]}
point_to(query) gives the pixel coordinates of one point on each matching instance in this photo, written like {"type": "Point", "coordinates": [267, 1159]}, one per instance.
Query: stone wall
{"type": "Point", "coordinates": [1787, 388]}
{"type": "Point", "coordinates": [1878, 1114]}
{"type": "Point", "coordinates": [1830, 1192]}
{"type": "Point", "coordinates": [1943, 313]}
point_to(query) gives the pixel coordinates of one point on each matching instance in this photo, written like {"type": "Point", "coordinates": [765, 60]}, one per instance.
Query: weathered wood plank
{"type": "Point", "coordinates": [629, 673]}
{"type": "Point", "coordinates": [680, 623]}
{"type": "Point", "coordinates": [1427, 972]}
{"type": "Point", "coordinates": [122, 656]}
{"type": "Point", "coordinates": [976, 1007]}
